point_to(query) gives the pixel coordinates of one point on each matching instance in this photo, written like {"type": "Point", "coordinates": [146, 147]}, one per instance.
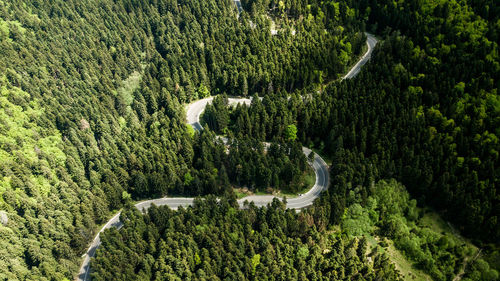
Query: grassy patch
{"type": "Point", "coordinates": [239, 193]}
{"type": "Point", "coordinates": [433, 220]}
{"type": "Point", "coordinates": [402, 264]}
{"type": "Point", "coordinates": [405, 267]}
{"type": "Point", "coordinates": [260, 192]}
{"type": "Point", "coordinates": [242, 192]}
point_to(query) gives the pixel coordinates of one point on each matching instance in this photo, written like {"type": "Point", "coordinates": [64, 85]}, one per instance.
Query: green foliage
{"type": "Point", "coordinates": [421, 115]}
{"type": "Point", "coordinates": [356, 221]}
{"type": "Point", "coordinates": [31, 155]}
{"type": "Point", "coordinates": [190, 130]}
{"type": "Point", "coordinates": [197, 259]}
{"type": "Point", "coordinates": [216, 115]}
{"type": "Point", "coordinates": [480, 270]}
{"type": "Point", "coordinates": [273, 242]}
{"type": "Point", "coordinates": [437, 253]}
{"type": "Point", "coordinates": [128, 87]}
{"type": "Point", "coordinates": [255, 261]}
{"type": "Point", "coordinates": [86, 121]}
{"type": "Point", "coordinates": [291, 133]}
{"type": "Point", "coordinates": [4, 29]}
{"type": "Point", "coordinates": [188, 178]}
{"type": "Point", "coordinates": [448, 45]}
{"type": "Point", "coordinates": [24, 141]}
{"type": "Point", "coordinates": [245, 162]}
{"type": "Point", "coordinates": [83, 120]}
{"type": "Point", "coordinates": [303, 253]}
{"type": "Point", "coordinates": [203, 91]}
{"type": "Point", "coordinates": [126, 196]}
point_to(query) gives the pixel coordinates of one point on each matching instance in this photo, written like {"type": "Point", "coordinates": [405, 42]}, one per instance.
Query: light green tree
{"type": "Point", "coordinates": [255, 261]}
{"type": "Point", "coordinates": [291, 132]}
{"type": "Point", "coordinates": [203, 91]}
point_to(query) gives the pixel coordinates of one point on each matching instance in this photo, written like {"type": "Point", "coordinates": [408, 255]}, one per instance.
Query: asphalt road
{"type": "Point", "coordinates": [194, 111]}
{"type": "Point", "coordinates": [371, 41]}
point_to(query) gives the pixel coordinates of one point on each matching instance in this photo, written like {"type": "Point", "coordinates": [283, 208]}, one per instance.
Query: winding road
{"type": "Point", "coordinates": [194, 110]}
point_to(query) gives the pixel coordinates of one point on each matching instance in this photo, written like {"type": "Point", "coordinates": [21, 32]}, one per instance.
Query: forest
{"type": "Point", "coordinates": [390, 216]}
{"type": "Point", "coordinates": [92, 107]}
{"type": "Point", "coordinates": [443, 147]}
{"type": "Point", "coordinates": [244, 162]}
{"type": "Point", "coordinates": [92, 116]}
{"type": "Point", "coordinates": [216, 241]}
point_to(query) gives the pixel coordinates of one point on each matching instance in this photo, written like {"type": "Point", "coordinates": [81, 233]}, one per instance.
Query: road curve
{"type": "Point", "coordinates": [195, 109]}
{"type": "Point", "coordinates": [193, 113]}
{"type": "Point", "coordinates": [371, 41]}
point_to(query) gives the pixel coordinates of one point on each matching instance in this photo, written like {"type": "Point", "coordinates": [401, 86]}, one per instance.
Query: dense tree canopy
{"type": "Point", "coordinates": [245, 162]}
{"type": "Point", "coordinates": [390, 213]}
{"type": "Point", "coordinates": [219, 241]}
{"type": "Point", "coordinates": [91, 106]}
{"type": "Point", "coordinates": [424, 111]}
{"type": "Point", "coordinates": [91, 113]}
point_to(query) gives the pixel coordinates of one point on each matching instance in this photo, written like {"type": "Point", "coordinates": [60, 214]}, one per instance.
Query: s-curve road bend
{"type": "Point", "coordinates": [194, 110]}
